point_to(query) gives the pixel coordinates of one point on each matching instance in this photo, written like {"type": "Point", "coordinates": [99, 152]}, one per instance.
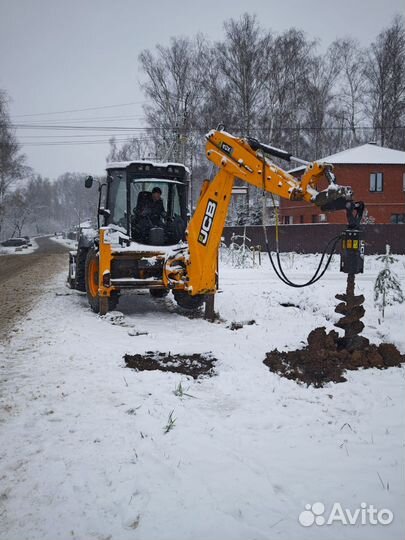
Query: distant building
{"type": "Point", "coordinates": [377, 176]}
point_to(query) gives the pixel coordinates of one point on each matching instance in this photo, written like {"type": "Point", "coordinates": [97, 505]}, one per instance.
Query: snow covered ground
{"type": "Point", "coordinates": [20, 250]}
{"type": "Point", "coordinates": [84, 452]}
{"type": "Point", "coordinates": [71, 244]}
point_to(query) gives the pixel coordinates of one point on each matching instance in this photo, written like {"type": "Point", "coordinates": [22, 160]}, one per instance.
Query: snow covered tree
{"type": "Point", "coordinates": [242, 212]}
{"type": "Point", "coordinates": [256, 209]}
{"type": "Point", "coordinates": [387, 289]}
{"type": "Point", "coordinates": [240, 255]}
{"type": "Point", "coordinates": [367, 219]}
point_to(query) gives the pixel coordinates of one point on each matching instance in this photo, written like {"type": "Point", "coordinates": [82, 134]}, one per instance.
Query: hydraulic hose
{"type": "Point", "coordinates": [318, 272]}
{"type": "Point", "coordinates": [278, 269]}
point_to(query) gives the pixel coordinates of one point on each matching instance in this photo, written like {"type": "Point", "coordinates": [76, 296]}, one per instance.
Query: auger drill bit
{"type": "Point", "coordinates": [352, 263]}
{"type": "Point", "coordinates": [351, 307]}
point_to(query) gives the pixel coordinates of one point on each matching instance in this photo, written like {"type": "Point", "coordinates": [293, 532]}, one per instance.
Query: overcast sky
{"type": "Point", "coordinates": [63, 55]}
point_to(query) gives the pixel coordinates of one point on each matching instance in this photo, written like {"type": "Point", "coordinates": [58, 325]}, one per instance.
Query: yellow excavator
{"type": "Point", "coordinates": [147, 242]}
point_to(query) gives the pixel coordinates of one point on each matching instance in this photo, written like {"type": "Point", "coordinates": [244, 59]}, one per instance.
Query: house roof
{"type": "Point", "coordinates": [366, 154]}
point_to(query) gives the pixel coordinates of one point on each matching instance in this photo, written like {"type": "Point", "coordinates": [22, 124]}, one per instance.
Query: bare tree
{"type": "Point", "coordinates": [288, 61]}
{"type": "Point", "coordinates": [241, 60]}
{"type": "Point", "coordinates": [134, 148]}
{"type": "Point", "coordinates": [320, 100]}
{"type": "Point", "coordinates": [276, 87]}
{"type": "Point", "coordinates": [17, 212]}
{"type": "Point", "coordinates": [175, 92]}
{"type": "Point", "coordinates": [349, 111]}
{"type": "Point", "coordinates": [12, 161]}
{"type": "Point", "coordinates": [217, 107]}
{"type": "Point", "coordinates": [385, 72]}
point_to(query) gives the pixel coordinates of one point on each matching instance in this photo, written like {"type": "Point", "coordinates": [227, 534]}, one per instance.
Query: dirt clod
{"type": "Point", "coordinates": [195, 365]}
{"type": "Point", "coordinates": [326, 358]}
{"type": "Point", "coordinates": [238, 325]}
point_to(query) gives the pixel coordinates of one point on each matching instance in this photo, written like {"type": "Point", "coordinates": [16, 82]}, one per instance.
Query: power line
{"type": "Point", "coordinates": [122, 134]}
{"type": "Point", "coordinates": [79, 110]}
{"type": "Point", "coordinates": [76, 135]}
{"type": "Point", "coordinates": [81, 142]}
{"type": "Point", "coordinates": [194, 130]}
{"type": "Point", "coordinates": [89, 119]}
{"type": "Point", "coordinates": [78, 127]}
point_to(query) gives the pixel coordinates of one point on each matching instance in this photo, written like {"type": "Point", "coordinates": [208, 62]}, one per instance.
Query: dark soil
{"type": "Point", "coordinates": [194, 365]}
{"type": "Point", "coordinates": [326, 358]}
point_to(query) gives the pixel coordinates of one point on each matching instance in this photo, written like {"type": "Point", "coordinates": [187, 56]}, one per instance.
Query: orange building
{"type": "Point", "coordinates": [377, 176]}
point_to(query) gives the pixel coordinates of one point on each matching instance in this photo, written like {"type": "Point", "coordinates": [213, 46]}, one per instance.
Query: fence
{"type": "Point", "coordinates": [312, 238]}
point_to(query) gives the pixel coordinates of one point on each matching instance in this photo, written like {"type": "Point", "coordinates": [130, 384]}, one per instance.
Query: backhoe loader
{"type": "Point", "coordinates": [137, 247]}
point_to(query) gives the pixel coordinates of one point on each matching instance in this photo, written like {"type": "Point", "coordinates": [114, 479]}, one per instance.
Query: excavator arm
{"type": "Point", "coordinates": [194, 268]}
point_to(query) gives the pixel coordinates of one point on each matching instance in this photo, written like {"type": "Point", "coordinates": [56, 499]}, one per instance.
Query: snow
{"type": "Point", "coordinates": [113, 237]}
{"type": "Point", "coordinates": [86, 454]}
{"type": "Point", "coordinates": [125, 164]}
{"type": "Point", "coordinates": [136, 247]}
{"type": "Point", "coordinates": [19, 250]}
{"type": "Point", "coordinates": [365, 154]}
{"type": "Point", "coordinates": [72, 244]}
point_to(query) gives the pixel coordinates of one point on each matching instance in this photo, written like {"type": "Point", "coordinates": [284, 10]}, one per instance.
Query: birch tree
{"type": "Point", "coordinates": [242, 61]}
{"type": "Point", "coordinates": [385, 72]}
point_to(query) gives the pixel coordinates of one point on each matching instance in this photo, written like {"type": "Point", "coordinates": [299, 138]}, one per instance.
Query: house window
{"type": "Point", "coordinates": [403, 182]}
{"type": "Point", "coordinates": [398, 218]}
{"type": "Point", "coordinates": [288, 220]}
{"type": "Point", "coordinates": [314, 218]}
{"type": "Point", "coordinates": [302, 219]}
{"type": "Point", "coordinates": [376, 181]}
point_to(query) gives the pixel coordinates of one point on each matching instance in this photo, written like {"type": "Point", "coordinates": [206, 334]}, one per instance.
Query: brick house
{"type": "Point", "coordinates": [377, 176]}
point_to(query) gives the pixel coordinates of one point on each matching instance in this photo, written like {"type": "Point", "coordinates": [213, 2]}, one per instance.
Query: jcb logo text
{"type": "Point", "coordinates": [207, 222]}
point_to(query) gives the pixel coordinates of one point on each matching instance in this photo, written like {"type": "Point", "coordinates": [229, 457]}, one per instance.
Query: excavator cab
{"type": "Point", "coordinates": [148, 200]}
{"type": "Point", "coordinates": [142, 219]}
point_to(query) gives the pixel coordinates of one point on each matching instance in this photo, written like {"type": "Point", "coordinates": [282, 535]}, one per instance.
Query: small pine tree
{"type": "Point", "coordinates": [242, 212]}
{"type": "Point", "coordinates": [256, 215]}
{"type": "Point", "coordinates": [387, 289]}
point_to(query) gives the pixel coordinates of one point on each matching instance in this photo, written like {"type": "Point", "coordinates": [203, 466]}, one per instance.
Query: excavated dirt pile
{"type": "Point", "coordinates": [194, 365]}
{"type": "Point", "coordinates": [327, 357]}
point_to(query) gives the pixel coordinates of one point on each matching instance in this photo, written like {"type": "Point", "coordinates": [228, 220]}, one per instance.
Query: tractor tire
{"type": "Point", "coordinates": [158, 293]}
{"type": "Point", "coordinates": [80, 282]}
{"type": "Point", "coordinates": [186, 301]}
{"type": "Point", "coordinates": [71, 282]}
{"type": "Point", "coordinates": [91, 282]}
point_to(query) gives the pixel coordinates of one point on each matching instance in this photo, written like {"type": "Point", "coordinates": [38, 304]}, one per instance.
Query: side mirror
{"type": "Point", "coordinates": [103, 211]}
{"type": "Point", "coordinates": [88, 182]}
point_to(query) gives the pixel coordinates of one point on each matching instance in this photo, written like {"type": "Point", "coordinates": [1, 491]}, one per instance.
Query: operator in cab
{"type": "Point", "coordinates": [157, 210]}
{"type": "Point", "coordinates": [148, 214]}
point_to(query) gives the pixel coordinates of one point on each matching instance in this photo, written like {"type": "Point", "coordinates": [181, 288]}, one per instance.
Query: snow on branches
{"type": "Point", "coordinates": [387, 289]}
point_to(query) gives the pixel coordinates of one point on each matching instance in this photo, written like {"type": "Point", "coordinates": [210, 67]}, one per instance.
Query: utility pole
{"type": "Point", "coordinates": [183, 140]}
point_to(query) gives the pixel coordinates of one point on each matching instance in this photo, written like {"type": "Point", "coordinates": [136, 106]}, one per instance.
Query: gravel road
{"type": "Point", "coordinates": [23, 278]}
